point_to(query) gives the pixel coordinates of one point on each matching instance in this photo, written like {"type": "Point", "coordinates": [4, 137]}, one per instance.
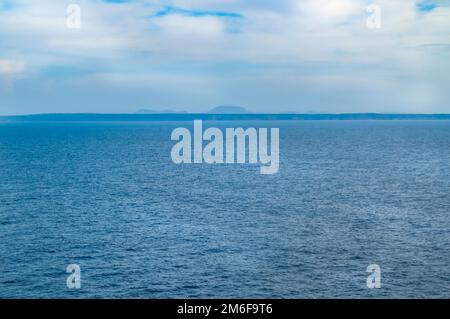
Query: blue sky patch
{"type": "Point", "coordinates": [195, 13]}
{"type": "Point", "coordinates": [425, 7]}
{"type": "Point", "coordinates": [6, 5]}
{"type": "Point", "coordinates": [116, 1]}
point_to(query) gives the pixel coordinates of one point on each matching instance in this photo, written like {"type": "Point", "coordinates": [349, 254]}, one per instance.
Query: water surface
{"type": "Point", "coordinates": [106, 196]}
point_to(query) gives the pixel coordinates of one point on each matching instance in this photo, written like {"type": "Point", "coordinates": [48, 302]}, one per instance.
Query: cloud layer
{"type": "Point", "coordinates": [270, 56]}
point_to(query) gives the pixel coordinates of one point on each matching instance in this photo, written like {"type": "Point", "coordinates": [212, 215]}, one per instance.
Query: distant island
{"type": "Point", "coordinates": [222, 109]}
{"type": "Point", "coordinates": [143, 117]}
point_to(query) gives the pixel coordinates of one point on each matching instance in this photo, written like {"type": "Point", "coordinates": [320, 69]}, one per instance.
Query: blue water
{"type": "Point", "coordinates": [106, 196]}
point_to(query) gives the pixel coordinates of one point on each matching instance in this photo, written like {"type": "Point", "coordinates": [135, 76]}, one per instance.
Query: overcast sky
{"type": "Point", "coordinates": [268, 56]}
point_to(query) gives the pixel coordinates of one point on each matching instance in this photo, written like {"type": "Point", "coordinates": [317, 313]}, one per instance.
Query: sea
{"type": "Point", "coordinates": [107, 197]}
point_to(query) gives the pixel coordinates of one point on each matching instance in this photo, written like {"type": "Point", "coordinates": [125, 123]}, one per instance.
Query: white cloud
{"type": "Point", "coordinates": [329, 11]}
{"type": "Point", "coordinates": [9, 67]}
{"type": "Point", "coordinates": [323, 41]}
{"type": "Point", "coordinates": [312, 30]}
{"type": "Point", "coordinates": [190, 26]}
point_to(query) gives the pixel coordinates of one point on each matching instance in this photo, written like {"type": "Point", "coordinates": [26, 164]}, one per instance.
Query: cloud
{"type": "Point", "coordinates": [329, 11]}
{"type": "Point", "coordinates": [188, 26]}
{"type": "Point", "coordinates": [8, 67]}
{"type": "Point", "coordinates": [259, 45]}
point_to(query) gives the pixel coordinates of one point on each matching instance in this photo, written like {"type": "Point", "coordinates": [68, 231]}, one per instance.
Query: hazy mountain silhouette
{"type": "Point", "coordinates": [92, 117]}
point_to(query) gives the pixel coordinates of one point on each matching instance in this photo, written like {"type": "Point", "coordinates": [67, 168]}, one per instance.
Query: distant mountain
{"type": "Point", "coordinates": [147, 111]}
{"type": "Point", "coordinates": [223, 109]}
{"type": "Point", "coordinates": [89, 117]}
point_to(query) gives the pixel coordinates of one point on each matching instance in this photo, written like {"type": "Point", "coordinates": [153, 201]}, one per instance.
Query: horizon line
{"type": "Point", "coordinates": [183, 117]}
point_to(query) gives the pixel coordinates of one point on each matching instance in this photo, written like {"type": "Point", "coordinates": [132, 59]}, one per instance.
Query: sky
{"type": "Point", "coordinates": [306, 56]}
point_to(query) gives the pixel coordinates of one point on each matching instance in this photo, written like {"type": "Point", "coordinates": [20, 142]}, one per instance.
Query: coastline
{"type": "Point", "coordinates": [132, 117]}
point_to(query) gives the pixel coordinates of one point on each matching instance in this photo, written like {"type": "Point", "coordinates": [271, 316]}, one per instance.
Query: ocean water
{"type": "Point", "coordinates": [107, 196]}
